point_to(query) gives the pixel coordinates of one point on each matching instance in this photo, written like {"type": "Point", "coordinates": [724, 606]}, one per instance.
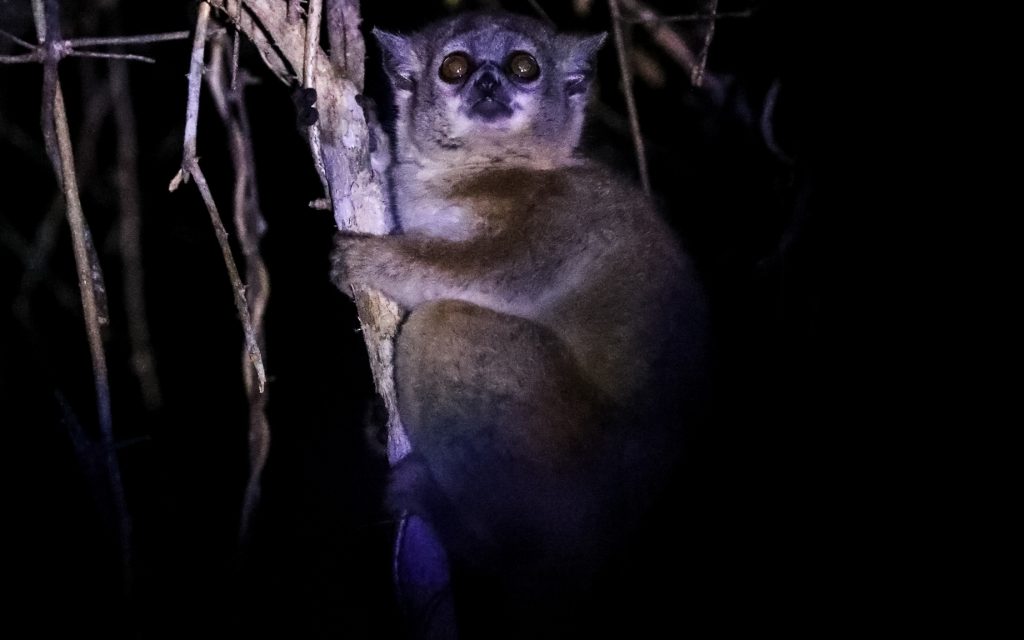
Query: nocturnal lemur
{"type": "Point", "coordinates": [554, 329]}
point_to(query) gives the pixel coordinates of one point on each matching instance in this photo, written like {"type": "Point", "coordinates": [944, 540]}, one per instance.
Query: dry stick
{"type": "Point", "coordinates": [692, 17]}
{"type": "Point", "coordinates": [86, 274]}
{"type": "Point", "coordinates": [308, 61]}
{"type": "Point", "coordinates": [35, 56]}
{"type": "Point", "coordinates": [627, 90]}
{"type": "Point", "coordinates": [697, 77]}
{"type": "Point", "coordinates": [190, 168]}
{"type": "Point", "coordinates": [48, 33]}
{"type": "Point", "coordinates": [47, 234]}
{"type": "Point", "coordinates": [112, 56]}
{"type": "Point", "coordinates": [670, 42]}
{"type": "Point", "coordinates": [236, 47]}
{"type": "Point", "coordinates": [250, 223]}
{"type": "Point", "coordinates": [16, 40]}
{"type": "Point", "coordinates": [123, 40]}
{"type": "Point", "coordinates": [66, 48]}
{"type": "Point", "coordinates": [36, 256]}
{"type": "Point", "coordinates": [539, 10]}
{"type": "Point", "coordinates": [130, 236]}
{"type": "Point", "coordinates": [40, 56]}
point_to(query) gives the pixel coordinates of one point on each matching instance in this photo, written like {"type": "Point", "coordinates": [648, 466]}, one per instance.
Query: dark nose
{"type": "Point", "coordinates": [486, 82]}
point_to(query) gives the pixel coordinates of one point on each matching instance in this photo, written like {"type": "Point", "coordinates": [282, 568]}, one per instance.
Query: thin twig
{"type": "Point", "coordinates": [124, 40]}
{"type": "Point", "coordinates": [130, 227]}
{"type": "Point", "coordinates": [670, 42]}
{"type": "Point", "coordinates": [697, 77]}
{"type": "Point", "coordinates": [47, 33]}
{"type": "Point", "coordinates": [190, 168]}
{"type": "Point", "coordinates": [69, 48]}
{"type": "Point", "coordinates": [238, 288]}
{"type": "Point", "coordinates": [312, 47]}
{"type": "Point", "coordinates": [767, 123]}
{"type": "Point", "coordinates": [250, 224]}
{"type": "Point", "coordinates": [16, 40]}
{"type": "Point", "coordinates": [236, 47]}
{"type": "Point", "coordinates": [627, 90]}
{"type": "Point", "coordinates": [541, 12]}
{"type": "Point", "coordinates": [35, 56]}
{"type": "Point", "coordinates": [691, 17]}
{"type": "Point", "coordinates": [86, 284]}
{"type": "Point", "coordinates": [36, 256]}
{"type": "Point", "coordinates": [111, 56]}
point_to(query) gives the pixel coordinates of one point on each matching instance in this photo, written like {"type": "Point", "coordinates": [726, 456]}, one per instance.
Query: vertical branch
{"type": "Point", "coordinates": [87, 274]}
{"type": "Point", "coordinates": [47, 18]}
{"type": "Point", "coordinates": [309, 56]}
{"type": "Point", "coordinates": [359, 206]}
{"type": "Point", "coordinates": [130, 235]}
{"type": "Point", "coordinates": [190, 168]}
{"type": "Point", "coordinates": [357, 195]}
{"type": "Point", "coordinates": [697, 77]}
{"type": "Point", "coordinates": [627, 89]}
{"type": "Point", "coordinates": [230, 103]}
{"type": "Point", "coordinates": [670, 42]}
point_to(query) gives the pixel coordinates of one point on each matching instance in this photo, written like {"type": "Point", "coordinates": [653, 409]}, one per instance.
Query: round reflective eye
{"type": "Point", "coordinates": [523, 66]}
{"type": "Point", "coordinates": [454, 67]}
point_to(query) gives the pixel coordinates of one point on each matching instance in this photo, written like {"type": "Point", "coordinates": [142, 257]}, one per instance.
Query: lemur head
{"type": "Point", "coordinates": [489, 86]}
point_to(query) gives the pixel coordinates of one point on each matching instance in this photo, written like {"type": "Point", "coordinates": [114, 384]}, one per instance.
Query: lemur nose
{"type": "Point", "coordinates": [487, 81]}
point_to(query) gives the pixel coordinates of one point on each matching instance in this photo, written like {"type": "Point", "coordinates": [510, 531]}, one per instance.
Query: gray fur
{"type": "Point", "coordinates": [552, 317]}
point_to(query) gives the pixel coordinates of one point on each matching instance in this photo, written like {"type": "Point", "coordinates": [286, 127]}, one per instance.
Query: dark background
{"type": "Point", "coordinates": [767, 532]}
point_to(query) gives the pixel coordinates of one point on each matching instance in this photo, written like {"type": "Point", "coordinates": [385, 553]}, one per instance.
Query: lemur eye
{"type": "Point", "coordinates": [454, 67]}
{"type": "Point", "coordinates": [523, 66]}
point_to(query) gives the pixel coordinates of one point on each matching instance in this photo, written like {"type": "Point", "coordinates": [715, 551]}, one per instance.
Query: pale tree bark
{"type": "Point", "coordinates": [340, 142]}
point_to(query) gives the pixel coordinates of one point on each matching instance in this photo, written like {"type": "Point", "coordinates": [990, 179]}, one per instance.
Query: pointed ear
{"type": "Point", "coordinates": [400, 61]}
{"type": "Point", "coordinates": [580, 55]}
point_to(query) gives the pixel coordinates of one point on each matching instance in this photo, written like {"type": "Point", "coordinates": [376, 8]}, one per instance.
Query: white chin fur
{"type": "Point", "coordinates": [464, 125]}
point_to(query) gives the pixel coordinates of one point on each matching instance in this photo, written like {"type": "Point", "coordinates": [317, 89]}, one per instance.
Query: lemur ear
{"type": "Point", "coordinates": [579, 55]}
{"type": "Point", "coordinates": [400, 61]}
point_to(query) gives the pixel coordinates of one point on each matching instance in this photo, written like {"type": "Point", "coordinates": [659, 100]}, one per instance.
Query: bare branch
{"type": "Point", "coordinates": [190, 168]}
{"type": "Point", "coordinates": [309, 56]}
{"type": "Point", "coordinates": [539, 10]}
{"type": "Point", "coordinates": [125, 40]}
{"type": "Point", "coordinates": [357, 196]}
{"type": "Point", "coordinates": [669, 40]}
{"type": "Point", "coordinates": [111, 56]}
{"type": "Point", "coordinates": [250, 224]}
{"type": "Point", "coordinates": [236, 48]}
{"type": "Point", "coordinates": [16, 40]}
{"type": "Point", "coordinates": [691, 17]}
{"type": "Point", "coordinates": [36, 256]}
{"type": "Point", "coordinates": [87, 283]}
{"type": "Point", "coordinates": [697, 77]}
{"type": "Point", "coordinates": [627, 90]}
{"type": "Point", "coordinates": [34, 56]}
{"type": "Point", "coordinates": [130, 227]}
{"type": "Point", "coordinates": [70, 48]}
{"type": "Point", "coordinates": [768, 126]}
{"type": "Point", "coordinates": [47, 33]}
